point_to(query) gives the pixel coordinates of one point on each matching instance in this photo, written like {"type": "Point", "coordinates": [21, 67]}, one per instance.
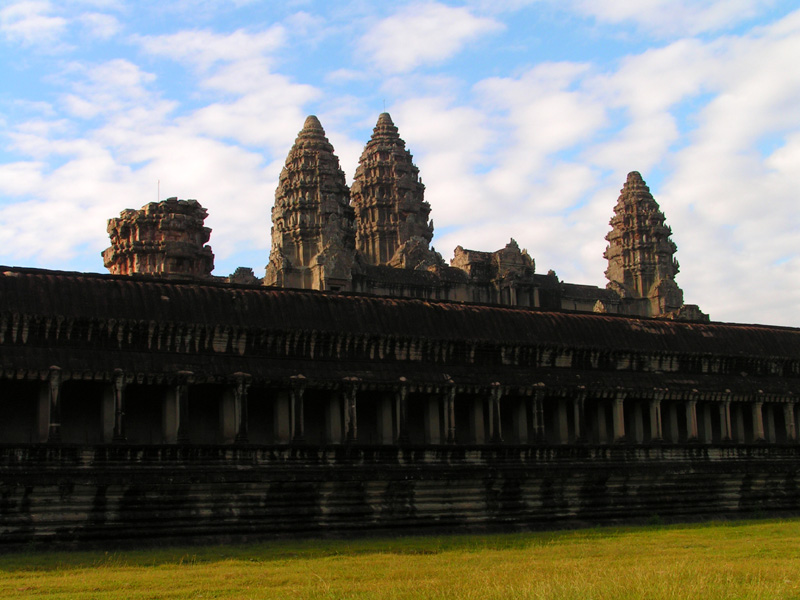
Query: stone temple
{"type": "Point", "coordinates": [366, 385]}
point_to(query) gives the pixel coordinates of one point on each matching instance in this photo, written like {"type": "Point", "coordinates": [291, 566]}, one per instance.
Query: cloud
{"type": "Point", "coordinates": [205, 49]}
{"type": "Point", "coordinates": [99, 25]}
{"type": "Point", "coordinates": [31, 23]}
{"type": "Point", "coordinates": [670, 18]}
{"type": "Point", "coordinates": [422, 33]}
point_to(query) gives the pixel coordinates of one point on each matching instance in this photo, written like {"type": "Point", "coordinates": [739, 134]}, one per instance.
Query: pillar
{"type": "Point", "coordinates": [282, 417]}
{"type": "Point", "coordinates": [737, 423]}
{"type": "Point", "coordinates": [725, 433]}
{"type": "Point", "coordinates": [477, 421]}
{"type": "Point", "coordinates": [788, 418]}
{"type": "Point", "coordinates": [401, 414]}
{"type": "Point", "coordinates": [54, 405]}
{"type": "Point", "coordinates": [182, 406]}
{"type": "Point", "coordinates": [449, 415]}
{"type": "Point", "coordinates": [495, 428]}
{"type": "Point", "coordinates": [619, 418]}
{"type": "Point", "coordinates": [656, 426]}
{"type": "Point", "coordinates": [433, 425]}
{"type": "Point", "coordinates": [758, 422]}
{"type": "Point", "coordinates": [118, 390]}
{"type": "Point", "coordinates": [520, 420]}
{"type": "Point", "coordinates": [350, 417]}
{"type": "Point", "coordinates": [241, 386]}
{"type": "Point", "coordinates": [708, 431]}
{"type": "Point", "coordinates": [579, 416]}
{"type": "Point", "coordinates": [537, 416]}
{"type": "Point", "coordinates": [297, 421]}
{"type": "Point", "coordinates": [384, 420]}
{"type": "Point", "coordinates": [691, 420]}
{"type": "Point", "coordinates": [769, 423]}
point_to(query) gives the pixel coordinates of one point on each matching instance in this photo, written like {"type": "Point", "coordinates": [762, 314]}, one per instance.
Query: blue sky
{"type": "Point", "coordinates": [524, 118]}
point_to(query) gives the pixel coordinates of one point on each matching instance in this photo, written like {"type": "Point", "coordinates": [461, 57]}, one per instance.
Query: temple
{"type": "Point", "coordinates": [365, 385]}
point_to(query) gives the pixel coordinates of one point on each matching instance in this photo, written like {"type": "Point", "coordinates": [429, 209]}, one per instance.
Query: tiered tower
{"type": "Point", "coordinates": [164, 238]}
{"type": "Point", "coordinates": [391, 213]}
{"type": "Point", "coordinates": [313, 234]}
{"type": "Point", "coordinates": [640, 253]}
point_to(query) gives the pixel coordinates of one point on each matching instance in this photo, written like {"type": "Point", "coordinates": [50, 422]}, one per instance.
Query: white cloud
{"type": "Point", "coordinates": [422, 33]}
{"type": "Point", "coordinates": [664, 18]}
{"type": "Point", "coordinates": [100, 25]}
{"type": "Point", "coordinates": [205, 49]}
{"type": "Point", "coordinates": [31, 23]}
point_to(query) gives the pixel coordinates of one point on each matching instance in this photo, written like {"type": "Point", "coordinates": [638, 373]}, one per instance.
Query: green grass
{"type": "Point", "coordinates": [713, 561]}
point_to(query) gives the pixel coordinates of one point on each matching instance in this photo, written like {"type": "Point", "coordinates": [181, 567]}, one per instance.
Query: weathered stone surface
{"type": "Point", "coordinates": [388, 198]}
{"type": "Point", "coordinates": [124, 494]}
{"type": "Point", "coordinates": [640, 254]}
{"type": "Point", "coordinates": [162, 238]}
{"type": "Point", "coordinates": [313, 234]}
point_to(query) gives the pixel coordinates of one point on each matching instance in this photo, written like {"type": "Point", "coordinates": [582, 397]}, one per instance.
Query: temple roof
{"type": "Point", "coordinates": [85, 295]}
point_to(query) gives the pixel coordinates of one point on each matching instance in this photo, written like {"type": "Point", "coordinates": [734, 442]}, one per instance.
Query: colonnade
{"type": "Point", "coordinates": [64, 409]}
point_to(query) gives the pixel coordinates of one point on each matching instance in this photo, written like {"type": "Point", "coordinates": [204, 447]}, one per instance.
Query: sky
{"type": "Point", "coordinates": [523, 116]}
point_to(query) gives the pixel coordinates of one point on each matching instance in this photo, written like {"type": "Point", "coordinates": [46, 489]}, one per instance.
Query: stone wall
{"type": "Point", "coordinates": [118, 494]}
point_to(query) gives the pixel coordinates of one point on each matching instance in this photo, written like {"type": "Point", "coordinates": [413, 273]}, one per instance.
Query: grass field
{"type": "Point", "coordinates": [713, 561]}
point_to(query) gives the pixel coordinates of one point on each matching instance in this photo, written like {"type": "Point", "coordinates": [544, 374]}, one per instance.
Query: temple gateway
{"type": "Point", "coordinates": [366, 384]}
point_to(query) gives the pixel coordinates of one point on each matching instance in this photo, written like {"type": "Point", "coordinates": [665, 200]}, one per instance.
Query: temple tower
{"type": "Point", "coordinates": [388, 197]}
{"type": "Point", "coordinates": [640, 253]}
{"type": "Point", "coordinates": [313, 234]}
{"type": "Point", "coordinates": [164, 238]}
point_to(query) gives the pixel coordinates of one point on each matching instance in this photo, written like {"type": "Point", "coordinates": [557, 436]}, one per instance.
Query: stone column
{"type": "Point", "coordinates": [579, 416]}
{"type": "Point", "coordinates": [401, 414]}
{"type": "Point", "coordinates": [656, 426]}
{"type": "Point", "coordinates": [297, 419]}
{"type": "Point", "coordinates": [450, 415]}
{"type": "Point", "coordinates": [758, 422]}
{"type": "Point", "coordinates": [691, 420]}
{"type": "Point", "coordinates": [537, 416]}
{"type": "Point", "coordinates": [241, 385]}
{"type": "Point", "coordinates": [118, 389]}
{"type": "Point", "coordinates": [477, 421]}
{"type": "Point", "coordinates": [495, 428]}
{"type": "Point", "coordinates": [708, 431]}
{"type": "Point", "coordinates": [788, 418]}
{"type": "Point", "coordinates": [182, 406]}
{"type": "Point", "coordinates": [350, 416]}
{"type": "Point", "coordinates": [54, 405]}
{"type": "Point", "coordinates": [725, 432]}
{"type": "Point", "coordinates": [769, 423]}
{"type": "Point", "coordinates": [619, 417]}
{"type": "Point", "coordinates": [737, 423]}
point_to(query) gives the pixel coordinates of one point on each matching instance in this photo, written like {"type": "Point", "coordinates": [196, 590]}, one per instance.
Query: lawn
{"type": "Point", "coordinates": [758, 559]}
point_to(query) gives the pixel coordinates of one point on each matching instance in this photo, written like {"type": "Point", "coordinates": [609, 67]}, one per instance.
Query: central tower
{"type": "Point", "coordinates": [313, 236]}
{"type": "Point", "coordinates": [388, 198]}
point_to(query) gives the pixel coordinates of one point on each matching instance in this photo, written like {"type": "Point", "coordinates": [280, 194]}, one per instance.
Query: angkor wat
{"type": "Point", "coordinates": [366, 385]}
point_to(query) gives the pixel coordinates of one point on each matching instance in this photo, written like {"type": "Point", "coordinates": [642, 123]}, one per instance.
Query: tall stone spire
{"type": "Point", "coordinates": [640, 253]}
{"type": "Point", "coordinates": [388, 197]}
{"type": "Point", "coordinates": [313, 237]}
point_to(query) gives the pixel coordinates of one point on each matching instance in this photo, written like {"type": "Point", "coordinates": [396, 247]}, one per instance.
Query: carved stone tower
{"type": "Point", "coordinates": [388, 197]}
{"type": "Point", "coordinates": [164, 238]}
{"type": "Point", "coordinates": [640, 254]}
{"type": "Point", "coordinates": [313, 234]}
